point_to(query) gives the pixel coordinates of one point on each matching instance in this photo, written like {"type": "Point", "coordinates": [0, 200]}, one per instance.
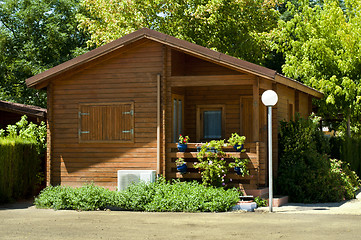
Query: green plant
{"type": "Point", "coordinates": [28, 131]}
{"type": "Point", "coordinates": [241, 164]}
{"type": "Point", "coordinates": [183, 140]}
{"type": "Point", "coordinates": [347, 179]}
{"type": "Point", "coordinates": [260, 202]}
{"type": "Point", "coordinates": [180, 161]}
{"type": "Point", "coordinates": [211, 163]}
{"type": "Point", "coordinates": [306, 174]}
{"type": "Point", "coordinates": [19, 166]}
{"type": "Point", "coordinates": [235, 140]}
{"type": "Point", "coordinates": [160, 196]}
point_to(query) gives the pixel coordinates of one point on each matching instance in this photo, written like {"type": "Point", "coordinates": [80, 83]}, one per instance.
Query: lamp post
{"type": "Point", "coordinates": [269, 99]}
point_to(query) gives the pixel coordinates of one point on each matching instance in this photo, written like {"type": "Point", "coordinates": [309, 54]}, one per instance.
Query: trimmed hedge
{"type": "Point", "coordinates": [19, 166]}
{"type": "Point", "coordinates": [160, 196]}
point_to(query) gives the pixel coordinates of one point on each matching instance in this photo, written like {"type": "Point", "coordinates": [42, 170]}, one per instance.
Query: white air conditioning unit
{"type": "Point", "coordinates": [127, 177]}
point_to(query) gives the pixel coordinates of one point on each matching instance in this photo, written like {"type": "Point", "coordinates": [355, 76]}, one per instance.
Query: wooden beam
{"type": "Point", "coordinates": [158, 125]}
{"type": "Point", "coordinates": [49, 123]}
{"type": "Point", "coordinates": [297, 101]}
{"type": "Point", "coordinates": [164, 107]}
{"type": "Point", "coordinates": [211, 80]}
{"type": "Point", "coordinates": [256, 110]}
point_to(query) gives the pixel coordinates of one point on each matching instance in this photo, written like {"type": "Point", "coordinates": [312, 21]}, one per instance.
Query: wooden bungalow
{"type": "Point", "coordinates": [123, 105]}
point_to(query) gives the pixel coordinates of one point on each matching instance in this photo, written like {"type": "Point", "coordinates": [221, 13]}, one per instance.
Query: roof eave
{"type": "Point", "coordinates": [279, 78]}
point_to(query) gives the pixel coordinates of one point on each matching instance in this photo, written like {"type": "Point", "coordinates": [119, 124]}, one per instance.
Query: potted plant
{"type": "Point", "coordinates": [181, 165]}
{"type": "Point", "coordinates": [240, 166]}
{"type": "Point", "coordinates": [182, 143]}
{"type": "Point", "coordinates": [237, 141]}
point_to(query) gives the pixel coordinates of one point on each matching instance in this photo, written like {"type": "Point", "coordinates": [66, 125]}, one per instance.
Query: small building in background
{"type": "Point", "coordinates": [10, 113]}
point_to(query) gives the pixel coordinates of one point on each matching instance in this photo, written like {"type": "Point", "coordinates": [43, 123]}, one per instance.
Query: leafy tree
{"type": "Point", "coordinates": [322, 47]}
{"type": "Point", "coordinates": [35, 35]}
{"type": "Point", "coordinates": [228, 26]}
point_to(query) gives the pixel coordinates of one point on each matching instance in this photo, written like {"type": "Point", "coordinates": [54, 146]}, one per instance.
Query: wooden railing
{"type": "Point", "coordinates": [254, 152]}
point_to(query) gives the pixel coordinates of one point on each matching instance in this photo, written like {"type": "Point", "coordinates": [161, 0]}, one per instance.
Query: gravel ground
{"type": "Point", "coordinates": [23, 221]}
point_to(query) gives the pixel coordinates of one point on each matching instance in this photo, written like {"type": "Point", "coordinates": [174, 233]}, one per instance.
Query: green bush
{"type": "Point", "coordinates": [260, 202]}
{"type": "Point", "coordinates": [27, 131]}
{"type": "Point", "coordinates": [348, 150]}
{"type": "Point", "coordinates": [19, 166]}
{"type": "Point", "coordinates": [306, 174]}
{"type": "Point", "coordinates": [89, 197]}
{"type": "Point", "coordinates": [160, 196]}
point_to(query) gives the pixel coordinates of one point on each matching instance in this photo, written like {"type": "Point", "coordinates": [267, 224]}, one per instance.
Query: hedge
{"type": "Point", "coordinates": [19, 166]}
{"type": "Point", "coordinates": [160, 196]}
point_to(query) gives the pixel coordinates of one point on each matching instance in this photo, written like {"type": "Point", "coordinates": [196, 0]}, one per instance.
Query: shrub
{"type": "Point", "coordinates": [160, 196]}
{"type": "Point", "coordinates": [88, 197]}
{"type": "Point", "coordinates": [260, 202]}
{"type": "Point", "coordinates": [19, 166]}
{"type": "Point", "coordinates": [306, 173]}
{"type": "Point", "coordinates": [348, 149]}
{"type": "Point", "coordinates": [27, 131]}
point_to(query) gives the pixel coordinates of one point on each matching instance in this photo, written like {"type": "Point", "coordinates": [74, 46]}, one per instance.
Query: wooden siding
{"type": "Point", "coordinates": [286, 98]}
{"type": "Point", "coordinates": [187, 65]}
{"type": "Point", "coordinates": [303, 105]}
{"type": "Point", "coordinates": [131, 75]}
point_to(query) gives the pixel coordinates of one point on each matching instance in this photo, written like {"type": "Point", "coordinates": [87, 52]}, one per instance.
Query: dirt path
{"type": "Point", "coordinates": [24, 222]}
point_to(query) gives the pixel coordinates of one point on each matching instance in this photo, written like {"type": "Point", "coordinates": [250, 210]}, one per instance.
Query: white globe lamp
{"type": "Point", "coordinates": [269, 99]}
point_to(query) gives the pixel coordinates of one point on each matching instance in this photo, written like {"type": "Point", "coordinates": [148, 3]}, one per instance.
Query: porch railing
{"type": "Point", "coordinates": [255, 152]}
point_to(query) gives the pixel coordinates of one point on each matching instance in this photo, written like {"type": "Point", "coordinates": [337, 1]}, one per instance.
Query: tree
{"type": "Point", "coordinates": [35, 35]}
{"type": "Point", "coordinates": [228, 26]}
{"type": "Point", "coordinates": [322, 48]}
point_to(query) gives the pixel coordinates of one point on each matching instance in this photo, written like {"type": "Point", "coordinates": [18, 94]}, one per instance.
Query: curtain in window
{"type": "Point", "coordinates": [212, 125]}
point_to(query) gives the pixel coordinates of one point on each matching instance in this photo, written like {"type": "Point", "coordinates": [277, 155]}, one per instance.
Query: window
{"type": "Point", "coordinates": [210, 122]}
{"type": "Point", "coordinates": [107, 122]}
{"type": "Point", "coordinates": [177, 118]}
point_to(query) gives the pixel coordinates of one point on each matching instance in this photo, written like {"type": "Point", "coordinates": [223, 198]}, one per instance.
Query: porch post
{"type": "Point", "coordinates": [256, 110]}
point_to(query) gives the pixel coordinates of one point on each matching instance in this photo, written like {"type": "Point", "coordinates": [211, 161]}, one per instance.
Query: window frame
{"type": "Point", "coordinates": [175, 126]}
{"type": "Point", "coordinates": [200, 121]}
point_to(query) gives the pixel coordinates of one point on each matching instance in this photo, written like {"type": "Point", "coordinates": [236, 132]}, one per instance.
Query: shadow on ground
{"type": "Point", "coordinates": [22, 204]}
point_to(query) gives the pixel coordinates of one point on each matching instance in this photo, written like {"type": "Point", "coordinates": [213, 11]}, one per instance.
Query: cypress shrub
{"type": "Point", "coordinates": [19, 166]}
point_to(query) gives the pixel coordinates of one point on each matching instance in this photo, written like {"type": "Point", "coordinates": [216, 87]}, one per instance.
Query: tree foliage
{"type": "Point", "coordinates": [228, 26]}
{"type": "Point", "coordinates": [322, 47]}
{"type": "Point", "coordinates": [35, 35]}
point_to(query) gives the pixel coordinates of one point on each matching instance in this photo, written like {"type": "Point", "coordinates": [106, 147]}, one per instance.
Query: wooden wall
{"type": "Point", "coordinates": [126, 76]}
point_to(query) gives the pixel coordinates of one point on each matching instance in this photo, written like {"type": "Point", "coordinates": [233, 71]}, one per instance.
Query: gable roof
{"type": "Point", "coordinates": [182, 45]}
{"type": "Point", "coordinates": [29, 110]}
